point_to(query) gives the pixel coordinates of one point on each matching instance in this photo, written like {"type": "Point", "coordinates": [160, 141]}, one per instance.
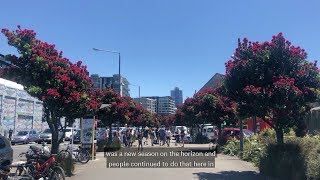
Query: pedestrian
{"type": "Point", "coordinates": [162, 134]}
{"type": "Point", "coordinates": [177, 137]}
{"type": "Point", "coordinates": [125, 139]}
{"type": "Point", "coordinates": [182, 137]}
{"type": "Point", "coordinates": [10, 134]}
{"type": "Point", "coordinates": [168, 136]}
{"type": "Point", "coordinates": [157, 136]}
{"type": "Point", "coordinates": [140, 137]}
{"type": "Point", "coordinates": [129, 136]}
{"type": "Point", "coordinates": [152, 137]}
{"type": "Point", "coordinates": [146, 135]}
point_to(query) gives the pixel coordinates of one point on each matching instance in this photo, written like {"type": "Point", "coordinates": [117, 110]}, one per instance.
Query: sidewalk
{"type": "Point", "coordinates": [226, 168]}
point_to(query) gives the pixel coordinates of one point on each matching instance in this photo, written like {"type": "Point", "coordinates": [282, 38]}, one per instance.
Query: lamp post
{"type": "Point", "coordinates": [119, 57]}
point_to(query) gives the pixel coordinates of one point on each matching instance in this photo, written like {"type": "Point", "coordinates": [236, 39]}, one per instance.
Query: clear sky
{"type": "Point", "coordinates": [164, 43]}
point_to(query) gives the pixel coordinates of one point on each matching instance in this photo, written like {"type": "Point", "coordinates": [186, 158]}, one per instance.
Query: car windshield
{"type": "Point", "coordinates": [22, 133]}
{"type": "Point", "coordinates": [210, 130]}
{"type": "Point", "coordinates": [78, 133]}
{"type": "Point", "coordinates": [247, 132]}
{"type": "Point", "coordinates": [47, 131]}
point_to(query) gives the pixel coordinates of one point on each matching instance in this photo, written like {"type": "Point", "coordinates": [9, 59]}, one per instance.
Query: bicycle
{"type": "Point", "coordinates": [40, 164]}
{"type": "Point", "coordinates": [80, 155]}
{"type": "Point", "coordinates": [5, 173]}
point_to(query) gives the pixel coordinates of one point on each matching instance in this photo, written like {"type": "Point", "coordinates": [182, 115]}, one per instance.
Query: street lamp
{"type": "Point", "coordinates": [115, 52]}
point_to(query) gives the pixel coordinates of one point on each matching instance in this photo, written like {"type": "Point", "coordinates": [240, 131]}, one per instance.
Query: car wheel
{"type": "Point", "coordinates": [26, 142]}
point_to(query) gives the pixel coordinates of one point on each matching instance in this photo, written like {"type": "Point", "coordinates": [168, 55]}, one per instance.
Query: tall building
{"type": "Point", "coordinates": [96, 81]}
{"type": "Point", "coordinates": [111, 82]}
{"type": "Point", "coordinates": [177, 96]}
{"type": "Point", "coordinates": [164, 105]}
{"type": "Point", "coordinates": [147, 103]}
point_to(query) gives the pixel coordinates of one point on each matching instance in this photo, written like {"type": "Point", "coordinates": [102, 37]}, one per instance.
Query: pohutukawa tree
{"type": "Point", "coordinates": [207, 106]}
{"type": "Point", "coordinates": [117, 110]}
{"type": "Point", "coordinates": [63, 87]}
{"type": "Point", "coordinates": [212, 107]}
{"type": "Point", "coordinates": [273, 81]}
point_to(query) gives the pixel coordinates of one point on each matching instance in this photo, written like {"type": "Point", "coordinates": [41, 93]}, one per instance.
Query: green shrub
{"type": "Point", "coordinates": [115, 145]}
{"type": "Point", "coordinates": [101, 145]}
{"type": "Point", "coordinates": [283, 161]}
{"type": "Point", "coordinates": [232, 147]}
{"type": "Point", "coordinates": [289, 132]}
{"type": "Point", "coordinates": [67, 164]}
{"type": "Point", "coordinates": [201, 139]}
{"type": "Point", "coordinates": [313, 163]}
{"type": "Point", "coordinates": [253, 150]}
{"type": "Point", "coordinates": [267, 136]}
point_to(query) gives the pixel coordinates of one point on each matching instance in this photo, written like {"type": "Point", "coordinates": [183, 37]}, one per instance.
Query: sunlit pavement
{"type": "Point", "coordinates": [226, 168]}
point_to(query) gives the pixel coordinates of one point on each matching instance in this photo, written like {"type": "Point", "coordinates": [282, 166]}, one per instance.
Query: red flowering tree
{"type": "Point", "coordinates": [274, 81]}
{"type": "Point", "coordinates": [214, 108]}
{"type": "Point", "coordinates": [45, 74]}
{"type": "Point", "coordinates": [167, 120]}
{"type": "Point", "coordinates": [117, 109]}
{"type": "Point", "coordinates": [207, 106]}
{"type": "Point", "coordinates": [186, 113]}
{"type": "Point", "coordinates": [141, 117]}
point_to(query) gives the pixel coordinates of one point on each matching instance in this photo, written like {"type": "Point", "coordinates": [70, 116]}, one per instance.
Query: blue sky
{"type": "Point", "coordinates": [163, 43]}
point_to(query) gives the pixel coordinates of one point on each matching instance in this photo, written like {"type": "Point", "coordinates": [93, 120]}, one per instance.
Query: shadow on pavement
{"type": "Point", "coordinates": [230, 175]}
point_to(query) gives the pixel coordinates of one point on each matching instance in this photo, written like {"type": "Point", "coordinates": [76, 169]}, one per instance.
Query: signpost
{"type": "Point", "coordinates": [88, 134]}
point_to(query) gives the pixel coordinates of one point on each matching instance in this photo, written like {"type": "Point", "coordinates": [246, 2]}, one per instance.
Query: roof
{"type": "Point", "coordinates": [10, 84]}
{"type": "Point", "coordinates": [212, 83]}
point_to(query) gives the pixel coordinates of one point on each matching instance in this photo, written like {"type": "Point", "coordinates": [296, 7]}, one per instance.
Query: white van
{"type": "Point", "coordinates": [210, 132]}
{"type": "Point", "coordinates": [180, 128]}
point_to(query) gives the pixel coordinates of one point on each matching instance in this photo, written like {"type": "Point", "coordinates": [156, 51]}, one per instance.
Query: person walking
{"type": "Point", "coordinates": [162, 134]}
{"type": "Point", "coordinates": [125, 139]}
{"type": "Point", "coordinates": [10, 134]}
{"type": "Point", "coordinates": [140, 137]}
{"type": "Point", "coordinates": [130, 138]}
{"type": "Point", "coordinates": [168, 136]}
{"type": "Point", "coordinates": [152, 136]}
{"type": "Point", "coordinates": [182, 137]}
{"type": "Point", "coordinates": [146, 136]}
{"type": "Point", "coordinates": [157, 136]}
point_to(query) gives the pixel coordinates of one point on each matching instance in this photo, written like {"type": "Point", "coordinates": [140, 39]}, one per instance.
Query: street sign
{"type": "Point", "coordinates": [87, 129]}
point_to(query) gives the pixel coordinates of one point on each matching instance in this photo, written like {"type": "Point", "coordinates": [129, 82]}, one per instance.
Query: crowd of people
{"type": "Point", "coordinates": [155, 136]}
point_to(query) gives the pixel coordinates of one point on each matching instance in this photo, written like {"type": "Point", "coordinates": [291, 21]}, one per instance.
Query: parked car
{"type": "Point", "coordinates": [68, 133]}
{"type": "Point", "coordinates": [6, 152]}
{"type": "Point", "coordinates": [247, 133]}
{"type": "Point", "coordinates": [25, 137]}
{"type": "Point", "coordinates": [210, 132]}
{"type": "Point", "coordinates": [229, 133]}
{"type": "Point", "coordinates": [46, 136]}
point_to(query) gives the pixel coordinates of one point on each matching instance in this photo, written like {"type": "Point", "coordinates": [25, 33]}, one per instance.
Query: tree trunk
{"type": "Point", "coordinates": [279, 133]}
{"type": "Point", "coordinates": [55, 141]}
{"type": "Point", "coordinates": [219, 133]}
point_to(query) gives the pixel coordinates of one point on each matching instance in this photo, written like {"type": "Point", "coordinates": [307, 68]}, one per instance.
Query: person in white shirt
{"type": "Point", "coordinates": [168, 136]}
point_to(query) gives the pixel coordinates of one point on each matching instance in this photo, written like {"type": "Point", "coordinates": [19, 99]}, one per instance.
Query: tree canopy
{"type": "Point", "coordinates": [272, 80]}
{"type": "Point", "coordinates": [63, 87]}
